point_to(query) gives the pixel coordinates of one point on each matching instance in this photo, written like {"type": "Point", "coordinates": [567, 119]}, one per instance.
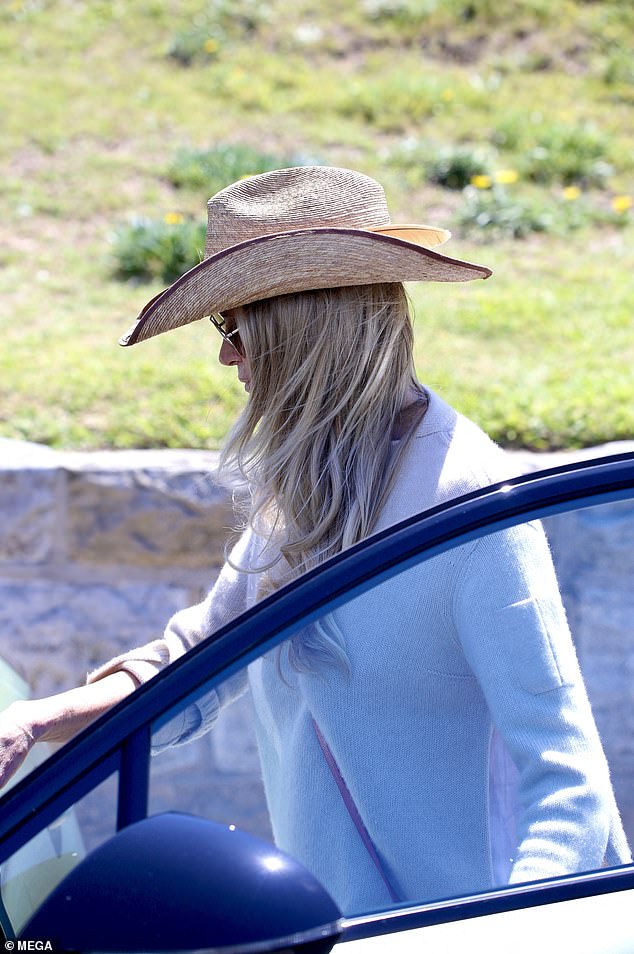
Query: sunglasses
{"type": "Point", "coordinates": [233, 337]}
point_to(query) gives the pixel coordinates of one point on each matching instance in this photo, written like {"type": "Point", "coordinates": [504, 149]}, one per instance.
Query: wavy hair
{"type": "Point", "coordinates": [331, 371]}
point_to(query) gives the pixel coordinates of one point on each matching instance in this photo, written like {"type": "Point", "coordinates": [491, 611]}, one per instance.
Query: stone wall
{"type": "Point", "coordinates": [98, 550]}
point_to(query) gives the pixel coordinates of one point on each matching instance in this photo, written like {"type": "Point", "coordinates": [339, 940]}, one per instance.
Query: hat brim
{"type": "Point", "coordinates": [294, 261]}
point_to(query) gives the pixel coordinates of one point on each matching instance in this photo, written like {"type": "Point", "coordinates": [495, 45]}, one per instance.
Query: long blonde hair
{"type": "Point", "coordinates": [330, 372]}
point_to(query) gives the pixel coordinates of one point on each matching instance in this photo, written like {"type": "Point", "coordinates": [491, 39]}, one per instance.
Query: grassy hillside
{"type": "Point", "coordinates": [511, 124]}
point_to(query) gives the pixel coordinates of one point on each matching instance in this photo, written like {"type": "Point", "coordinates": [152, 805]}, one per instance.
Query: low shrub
{"type": "Point", "coordinates": [452, 167]}
{"type": "Point", "coordinates": [196, 44]}
{"type": "Point", "coordinates": [403, 13]}
{"type": "Point", "coordinates": [455, 167]}
{"type": "Point", "coordinates": [569, 155]}
{"type": "Point", "coordinates": [147, 249]}
{"type": "Point", "coordinates": [408, 13]}
{"type": "Point", "coordinates": [501, 213]}
{"type": "Point", "coordinates": [619, 68]}
{"type": "Point", "coordinates": [207, 34]}
{"type": "Point", "coordinates": [213, 169]}
{"type": "Point", "coordinates": [554, 153]}
{"type": "Point", "coordinates": [392, 102]}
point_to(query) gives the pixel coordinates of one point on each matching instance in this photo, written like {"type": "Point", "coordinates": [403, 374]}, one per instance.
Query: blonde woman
{"type": "Point", "coordinates": [433, 737]}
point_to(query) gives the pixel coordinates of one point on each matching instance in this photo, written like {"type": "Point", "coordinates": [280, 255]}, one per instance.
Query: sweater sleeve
{"type": "Point", "coordinates": [188, 627]}
{"type": "Point", "coordinates": [513, 629]}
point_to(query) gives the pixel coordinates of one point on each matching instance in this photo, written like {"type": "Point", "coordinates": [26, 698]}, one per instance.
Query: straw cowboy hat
{"type": "Point", "coordinates": [294, 230]}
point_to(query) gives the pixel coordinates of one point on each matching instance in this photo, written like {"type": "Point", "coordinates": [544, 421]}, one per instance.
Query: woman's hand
{"type": "Point", "coordinates": [55, 718]}
{"type": "Point", "coordinates": [16, 738]}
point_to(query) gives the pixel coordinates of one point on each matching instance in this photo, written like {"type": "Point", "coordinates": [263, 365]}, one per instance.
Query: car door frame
{"type": "Point", "coordinates": [120, 739]}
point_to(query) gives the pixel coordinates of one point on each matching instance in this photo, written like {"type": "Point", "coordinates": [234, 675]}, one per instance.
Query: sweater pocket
{"type": "Point", "coordinates": [541, 661]}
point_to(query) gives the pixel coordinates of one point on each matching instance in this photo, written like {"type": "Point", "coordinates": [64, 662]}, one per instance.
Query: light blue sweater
{"type": "Point", "coordinates": [462, 727]}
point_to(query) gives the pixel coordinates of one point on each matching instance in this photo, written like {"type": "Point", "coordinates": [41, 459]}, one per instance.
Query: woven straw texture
{"type": "Point", "coordinates": [286, 199]}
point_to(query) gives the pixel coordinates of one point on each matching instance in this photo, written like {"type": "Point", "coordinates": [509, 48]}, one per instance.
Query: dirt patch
{"type": "Point", "coordinates": [529, 48]}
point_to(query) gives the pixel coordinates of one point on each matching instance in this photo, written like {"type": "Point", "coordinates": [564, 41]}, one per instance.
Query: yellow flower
{"type": "Point", "coordinates": [481, 182]}
{"type": "Point", "coordinates": [448, 95]}
{"type": "Point", "coordinates": [173, 218]}
{"type": "Point", "coordinates": [621, 203]}
{"type": "Point", "coordinates": [211, 45]}
{"type": "Point", "coordinates": [506, 176]}
{"type": "Point", "coordinates": [571, 193]}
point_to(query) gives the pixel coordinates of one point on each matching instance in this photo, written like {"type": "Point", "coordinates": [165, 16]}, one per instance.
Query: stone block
{"type": "Point", "coordinates": [147, 517]}
{"type": "Point", "coordinates": [594, 541]}
{"type": "Point", "coordinates": [28, 515]}
{"type": "Point", "coordinates": [54, 633]}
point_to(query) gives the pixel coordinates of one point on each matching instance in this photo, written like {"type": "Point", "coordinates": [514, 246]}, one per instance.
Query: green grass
{"type": "Point", "coordinates": [101, 120]}
{"type": "Point", "coordinates": [537, 367]}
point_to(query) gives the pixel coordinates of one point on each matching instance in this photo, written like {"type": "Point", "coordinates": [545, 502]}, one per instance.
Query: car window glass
{"type": "Point", "coordinates": [436, 735]}
{"type": "Point", "coordinates": [593, 552]}
{"type": "Point", "coordinates": [32, 872]}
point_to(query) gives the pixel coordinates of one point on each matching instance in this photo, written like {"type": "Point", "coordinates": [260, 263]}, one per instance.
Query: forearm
{"type": "Point", "coordinates": [58, 718]}
{"type": "Point", "coordinates": [55, 718]}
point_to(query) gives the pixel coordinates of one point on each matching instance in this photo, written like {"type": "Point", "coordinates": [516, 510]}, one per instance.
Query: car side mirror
{"type": "Point", "coordinates": [175, 882]}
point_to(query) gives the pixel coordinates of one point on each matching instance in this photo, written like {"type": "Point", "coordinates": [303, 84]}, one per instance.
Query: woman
{"type": "Point", "coordinates": [434, 736]}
